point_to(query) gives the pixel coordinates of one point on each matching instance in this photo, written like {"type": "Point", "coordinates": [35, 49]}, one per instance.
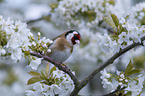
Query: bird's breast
{"type": "Point", "coordinates": [60, 56]}
{"type": "Point", "coordinates": [60, 50]}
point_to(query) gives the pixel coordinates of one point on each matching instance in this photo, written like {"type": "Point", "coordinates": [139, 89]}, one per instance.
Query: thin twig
{"type": "Point", "coordinates": [38, 19]}
{"type": "Point", "coordinates": [113, 93]}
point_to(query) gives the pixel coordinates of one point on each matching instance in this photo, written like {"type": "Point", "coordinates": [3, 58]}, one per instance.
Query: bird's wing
{"type": "Point", "coordinates": [61, 35]}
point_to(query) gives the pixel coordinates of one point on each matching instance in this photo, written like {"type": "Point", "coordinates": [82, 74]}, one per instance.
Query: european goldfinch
{"type": "Point", "coordinates": [62, 46]}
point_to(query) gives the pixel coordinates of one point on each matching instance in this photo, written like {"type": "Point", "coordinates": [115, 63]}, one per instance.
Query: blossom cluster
{"type": "Point", "coordinates": [137, 14]}
{"type": "Point", "coordinates": [17, 40]}
{"type": "Point", "coordinates": [40, 46]}
{"type": "Point", "coordinates": [127, 34]}
{"type": "Point", "coordinates": [132, 85]}
{"type": "Point", "coordinates": [97, 42]}
{"type": "Point", "coordinates": [78, 12]}
{"type": "Point", "coordinates": [58, 83]}
{"type": "Point", "coordinates": [14, 36]}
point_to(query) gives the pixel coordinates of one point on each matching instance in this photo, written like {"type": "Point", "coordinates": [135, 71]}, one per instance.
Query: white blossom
{"type": "Point", "coordinates": [33, 43]}
{"type": "Point", "coordinates": [16, 54]}
{"type": "Point", "coordinates": [30, 93]}
{"type": "Point", "coordinates": [39, 33]}
{"type": "Point", "coordinates": [49, 50]}
{"type": "Point", "coordinates": [66, 11]}
{"type": "Point", "coordinates": [136, 86]}
{"type": "Point", "coordinates": [126, 80]}
{"type": "Point", "coordinates": [35, 63]}
{"type": "Point", "coordinates": [16, 38]}
{"type": "Point", "coordinates": [44, 45]}
{"type": "Point", "coordinates": [123, 37]}
{"type": "Point", "coordinates": [58, 74]}
{"type": "Point", "coordinates": [122, 76]}
{"type": "Point", "coordinates": [106, 83]}
{"type": "Point", "coordinates": [2, 51]}
{"type": "Point", "coordinates": [137, 13]}
{"type": "Point", "coordinates": [105, 43]}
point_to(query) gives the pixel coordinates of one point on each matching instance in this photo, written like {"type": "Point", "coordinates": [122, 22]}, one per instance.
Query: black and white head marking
{"type": "Point", "coordinates": [73, 37]}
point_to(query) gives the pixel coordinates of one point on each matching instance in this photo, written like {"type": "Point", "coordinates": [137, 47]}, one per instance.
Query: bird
{"type": "Point", "coordinates": [62, 46]}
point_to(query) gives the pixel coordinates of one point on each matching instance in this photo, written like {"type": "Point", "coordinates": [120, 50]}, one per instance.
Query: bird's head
{"type": "Point", "coordinates": [73, 37]}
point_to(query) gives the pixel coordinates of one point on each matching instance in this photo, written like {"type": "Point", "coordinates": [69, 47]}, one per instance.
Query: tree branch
{"type": "Point", "coordinates": [59, 66]}
{"type": "Point", "coordinates": [108, 62]}
{"type": "Point", "coordinates": [113, 93]}
{"type": "Point", "coordinates": [80, 85]}
{"type": "Point", "coordinates": [38, 19]}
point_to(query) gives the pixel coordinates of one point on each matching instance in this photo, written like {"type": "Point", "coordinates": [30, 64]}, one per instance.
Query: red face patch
{"type": "Point", "coordinates": [75, 37]}
{"type": "Point", "coordinates": [78, 37]}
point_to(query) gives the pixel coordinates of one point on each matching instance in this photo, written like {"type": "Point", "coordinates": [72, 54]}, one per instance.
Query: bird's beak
{"type": "Point", "coordinates": [77, 41]}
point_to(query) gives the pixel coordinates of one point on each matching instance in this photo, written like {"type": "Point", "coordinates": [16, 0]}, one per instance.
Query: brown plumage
{"type": "Point", "coordinates": [61, 49]}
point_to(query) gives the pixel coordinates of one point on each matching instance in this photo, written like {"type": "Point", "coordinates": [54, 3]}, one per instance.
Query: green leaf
{"type": "Point", "coordinates": [144, 9]}
{"type": "Point", "coordinates": [43, 75]}
{"type": "Point", "coordinates": [26, 53]}
{"type": "Point", "coordinates": [52, 69]}
{"type": "Point", "coordinates": [35, 74]}
{"type": "Point", "coordinates": [115, 19]}
{"type": "Point", "coordinates": [109, 21]}
{"type": "Point", "coordinates": [54, 5]}
{"type": "Point", "coordinates": [47, 69]}
{"type": "Point", "coordinates": [128, 68]}
{"type": "Point", "coordinates": [127, 17]}
{"type": "Point", "coordinates": [33, 80]}
{"type": "Point", "coordinates": [128, 93]}
{"type": "Point", "coordinates": [134, 71]}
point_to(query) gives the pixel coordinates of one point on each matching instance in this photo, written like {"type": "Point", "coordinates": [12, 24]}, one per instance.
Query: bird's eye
{"type": "Point", "coordinates": [75, 37]}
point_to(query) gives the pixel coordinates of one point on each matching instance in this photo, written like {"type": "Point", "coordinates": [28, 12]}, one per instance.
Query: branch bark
{"type": "Point", "coordinates": [38, 19]}
{"type": "Point", "coordinates": [113, 93]}
{"type": "Point", "coordinates": [58, 65]}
